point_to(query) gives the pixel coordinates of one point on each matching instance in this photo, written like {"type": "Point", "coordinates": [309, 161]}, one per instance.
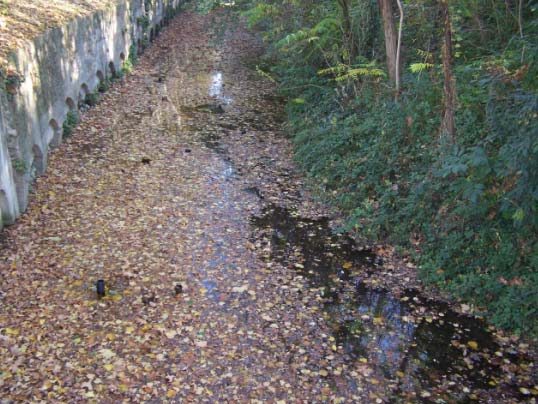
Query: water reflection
{"type": "Point", "coordinates": [417, 343]}
{"type": "Point", "coordinates": [216, 88]}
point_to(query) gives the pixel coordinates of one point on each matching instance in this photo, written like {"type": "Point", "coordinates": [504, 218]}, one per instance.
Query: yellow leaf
{"type": "Point", "coordinates": [334, 348]}
{"type": "Point", "coordinates": [109, 367]}
{"type": "Point", "coordinates": [12, 331]}
{"type": "Point", "coordinates": [472, 344]}
{"type": "Point", "coordinates": [525, 391]}
{"type": "Point", "coordinates": [170, 334]}
{"type": "Point", "coordinates": [129, 329]}
{"type": "Point", "coordinates": [146, 327]}
{"type": "Point", "coordinates": [111, 337]}
{"type": "Point", "coordinates": [46, 385]}
{"type": "Point", "coordinates": [363, 360]}
{"type": "Point", "coordinates": [378, 320]}
{"type": "Point", "coordinates": [107, 353]}
{"type": "Point", "coordinates": [323, 373]}
{"type": "Point", "coordinates": [171, 393]}
{"type": "Point", "coordinates": [347, 265]}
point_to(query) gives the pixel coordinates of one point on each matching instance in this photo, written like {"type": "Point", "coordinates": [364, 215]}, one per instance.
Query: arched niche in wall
{"type": "Point", "coordinates": [55, 134]}
{"type": "Point", "coordinates": [102, 87]}
{"type": "Point", "coordinates": [4, 208]}
{"type": "Point", "coordinates": [71, 118]}
{"type": "Point", "coordinates": [112, 70]}
{"type": "Point", "coordinates": [38, 163]}
{"type": "Point", "coordinates": [70, 104]}
{"type": "Point", "coordinates": [83, 95]}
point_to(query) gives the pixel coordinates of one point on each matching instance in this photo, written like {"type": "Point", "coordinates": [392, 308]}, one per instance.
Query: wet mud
{"type": "Point", "coordinates": [418, 345]}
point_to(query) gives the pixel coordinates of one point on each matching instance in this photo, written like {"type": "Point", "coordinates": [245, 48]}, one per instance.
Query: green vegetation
{"type": "Point", "coordinates": [70, 123]}
{"type": "Point", "coordinates": [4, 8]}
{"type": "Point", "coordinates": [19, 166]}
{"type": "Point", "coordinates": [206, 5]}
{"type": "Point", "coordinates": [131, 61]}
{"type": "Point", "coordinates": [143, 22]}
{"type": "Point", "coordinates": [133, 54]}
{"type": "Point", "coordinates": [438, 157]}
{"type": "Point", "coordinates": [12, 80]}
{"type": "Point", "coordinates": [92, 99]}
{"type": "Point", "coordinates": [104, 85]}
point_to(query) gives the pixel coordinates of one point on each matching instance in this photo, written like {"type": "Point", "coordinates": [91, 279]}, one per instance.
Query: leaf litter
{"type": "Point", "coordinates": [224, 279]}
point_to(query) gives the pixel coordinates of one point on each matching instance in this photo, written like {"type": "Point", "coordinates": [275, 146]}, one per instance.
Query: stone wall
{"type": "Point", "coordinates": [59, 70]}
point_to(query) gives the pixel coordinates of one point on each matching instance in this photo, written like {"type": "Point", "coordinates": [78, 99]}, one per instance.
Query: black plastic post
{"type": "Point", "coordinates": [100, 287]}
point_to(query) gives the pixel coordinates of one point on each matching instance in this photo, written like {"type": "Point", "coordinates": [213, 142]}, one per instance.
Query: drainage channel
{"type": "Point", "coordinates": [421, 348]}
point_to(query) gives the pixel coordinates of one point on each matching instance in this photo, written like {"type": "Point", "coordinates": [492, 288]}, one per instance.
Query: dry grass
{"type": "Point", "coordinates": [23, 20]}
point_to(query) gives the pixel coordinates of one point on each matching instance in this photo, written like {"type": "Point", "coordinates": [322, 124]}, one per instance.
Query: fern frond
{"type": "Point", "coordinates": [424, 54]}
{"type": "Point", "coordinates": [344, 72]}
{"type": "Point", "coordinates": [420, 67]}
{"type": "Point", "coordinates": [336, 70]}
{"type": "Point", "coordinates": [326, 25]}
{"type": "Point", "coordinates": [292, 38]}
{"type": "Point", "coordinates": [353, 74]}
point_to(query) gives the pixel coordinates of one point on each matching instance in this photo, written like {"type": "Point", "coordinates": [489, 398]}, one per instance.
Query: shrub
{"type": "Point", "coordinates": [70, 123]}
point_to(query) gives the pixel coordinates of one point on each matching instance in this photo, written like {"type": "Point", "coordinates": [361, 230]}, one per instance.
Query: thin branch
{"type": "Point", "coordinates": [520, 18]}
{"type": "Point", "coordinates": [398, 49]}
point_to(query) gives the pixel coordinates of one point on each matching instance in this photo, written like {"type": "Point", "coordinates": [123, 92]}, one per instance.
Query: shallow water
{"type": "Point", "coordinates": [416, 344]}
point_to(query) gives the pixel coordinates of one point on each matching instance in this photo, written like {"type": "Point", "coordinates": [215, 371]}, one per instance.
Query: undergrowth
{"type": "Point", "coordinates": [467, 211]}
{"type": "Point", "coordinates": [70, 123]}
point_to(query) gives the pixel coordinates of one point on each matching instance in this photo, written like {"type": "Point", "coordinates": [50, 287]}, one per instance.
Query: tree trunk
{"type": "Point", "coordinates": [448, 125]}
{"type": "Point", "coordinates": [349, 40]}
{"type": "Point", "coordinates": [399, 48]}
{"type": "Point", "coordinates": [391, 38]}
{"type": "Point", "coordinates": [520, 17]}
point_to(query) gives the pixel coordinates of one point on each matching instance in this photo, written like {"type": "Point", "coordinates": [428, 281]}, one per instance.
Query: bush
{"type": "Point", "coordinates": [70, 123]}
{"type": "Point", "coordinates": [470, 206]}
{"type": "Point", "coordinates": [92, 99]}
